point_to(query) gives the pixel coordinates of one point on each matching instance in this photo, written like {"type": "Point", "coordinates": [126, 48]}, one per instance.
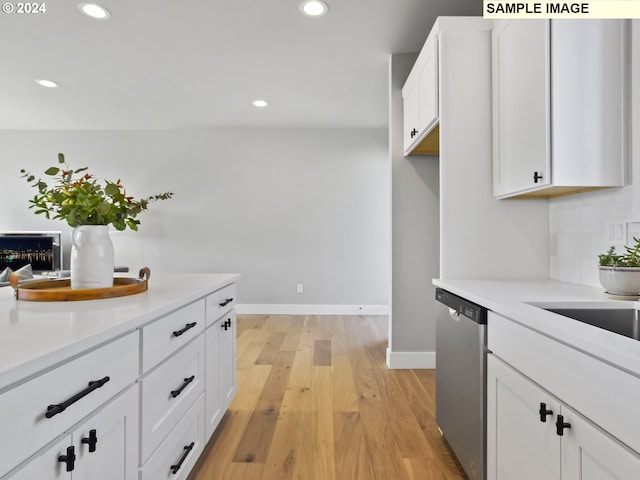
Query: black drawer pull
{"type": "Point", "coordinates": [188, 326]}
{"type": "Point", "coordinates": [176, 467]}
{"type": "Point", "coordinates": [187, 381]}
{"type": "Point", "coordinates": [544, 412]}
{"type": "Point", "coordinates": [226, 302]}
{"type": "Point", "coordinates": [69, 459]}
{"type": "Point", "coordinates": [561, 425]}
{"type": "Point", "coordinates": [91, 440]}
{"type": "Point", "coordinates": [61, 407]}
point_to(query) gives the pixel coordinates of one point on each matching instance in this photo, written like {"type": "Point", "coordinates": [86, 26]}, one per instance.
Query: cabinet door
{"type": "Point", "coordinates": [220, 369]}
{"type": "Point", "coordinates": [45, 464]}
{"type": "Point", "coordinates": [588, 61]}
{"type": "Point", "coordinates": [521, 94]}
{"type": "Point", "coordinates": [228, 361]}
{"type": "Point", "coordinates": [411, 116]}
{"type": "Point", "coordinates": [213, 408]}
{"type": "Point", "coordinates": [107, 443]}
{"type": "Point", "coordinates": [519, 444]}
{"type": "Point", "coordinates": [428, 86]}
{"type": "Point", "coordinates": [589, 453]}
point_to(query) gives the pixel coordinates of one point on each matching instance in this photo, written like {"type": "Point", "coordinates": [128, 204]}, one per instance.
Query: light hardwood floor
{"type": "Point", "coordinates": [315, 401]}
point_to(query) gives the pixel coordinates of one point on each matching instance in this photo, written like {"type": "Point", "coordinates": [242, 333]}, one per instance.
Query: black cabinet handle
{"type": "Point", "coordinates": [91, 440]}
{"type": "Point", "coordinates": [176, 467]}
{"type": "Point", "coordinates": [226, 302]}
{"type": "Point", "coordinates": [188, 326]}
{"type": "Point", "coordinates": [187, 381]}
{"type": "Point", "coordinates": [544, 412]}
{"type": "Point", "coordinates": [414, 132]}
{"type": "Point", "coordinates": [69, 459]}
{"type": "Point", "coordinates": [226, 324]}
{"type": "Point", "coordinates": [537, 176]}
{"type": "Point", "coordinates": [61, 407]}
{"type": "Point", "coordinates": [561, 425]}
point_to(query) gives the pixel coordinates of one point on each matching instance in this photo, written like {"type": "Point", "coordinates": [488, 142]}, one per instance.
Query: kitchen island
{"type": "Point", "coordinates": [562, 395]}
{"type": "Point", "coordinates": [128, 387]}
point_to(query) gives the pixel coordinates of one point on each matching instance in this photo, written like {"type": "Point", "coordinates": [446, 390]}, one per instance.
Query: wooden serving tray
{"type": "Point", "coordinates": [60, 290]}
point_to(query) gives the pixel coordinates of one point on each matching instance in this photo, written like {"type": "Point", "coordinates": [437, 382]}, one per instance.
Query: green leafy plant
{"type": "Point", "coordinates": [631, 257]}
{"type": "Point", "coordinates": [77, 197]}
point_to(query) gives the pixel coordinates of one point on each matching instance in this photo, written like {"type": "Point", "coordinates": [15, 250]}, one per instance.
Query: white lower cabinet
{"type": "Point", "coordinates": [531, 435]}
{"type": "Point", "coordinates": [519, 445]}
{"type": "Point", "coordinates": [131, 408]}
{"type": "Point", "coordinates": [186, 391]}
{"type": "Point", "coordinates": [220, 368]}
{"type": "Point", "coordinates": [102, 447]}
{"type": "Point", "coordinates": [228, 360]}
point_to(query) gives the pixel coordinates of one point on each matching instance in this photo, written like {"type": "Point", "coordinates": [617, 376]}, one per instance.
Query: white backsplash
{"type": "Point", "coordinates": [577, 226]}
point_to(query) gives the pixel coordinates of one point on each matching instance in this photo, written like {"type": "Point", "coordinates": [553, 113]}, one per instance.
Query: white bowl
{"type": "Point", "coordinates": [620, 280]}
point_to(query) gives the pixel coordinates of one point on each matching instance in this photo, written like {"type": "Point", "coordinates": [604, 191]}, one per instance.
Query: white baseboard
{"type": "Point", "coordinates": [406, 360]}
{"type": "Point", "coordinates": [303, 309]}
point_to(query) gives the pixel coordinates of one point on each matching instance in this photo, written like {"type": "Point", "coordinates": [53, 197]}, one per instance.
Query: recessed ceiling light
{"type": "Point", "coordinates": [47, 83]}
{"type": "Point", "coordinates": [314, 8]}
{"type": "Point", "coordinates": [260, 103]}
{"type": "Point", "coordinates": [94, 11]}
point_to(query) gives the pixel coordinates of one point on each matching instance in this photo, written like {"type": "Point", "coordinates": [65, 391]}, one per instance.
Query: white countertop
{"type": "Point", "coordinates": [511, 298]}
{"type": "Point", "coordinates": [37, 335]}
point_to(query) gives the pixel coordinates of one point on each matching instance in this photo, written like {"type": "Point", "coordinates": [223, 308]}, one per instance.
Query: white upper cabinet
{"type": "Point", "coordinates": [559, 106]}
{"type": "Point", "coordinates": [420, 101]}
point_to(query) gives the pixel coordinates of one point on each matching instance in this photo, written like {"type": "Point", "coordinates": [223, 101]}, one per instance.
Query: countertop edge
{"type": "Point", "coordinates": [513, 299]}
{"type": "Point", "coordinates": [38, 364]}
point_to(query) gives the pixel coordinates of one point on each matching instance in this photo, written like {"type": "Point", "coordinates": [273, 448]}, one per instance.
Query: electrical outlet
{"type": "Point", "coordinates": [300, 288]}
{"type": "Point", "coordinates": [633, 231]}
{"type": "Point", "coordinates": [616, 232]}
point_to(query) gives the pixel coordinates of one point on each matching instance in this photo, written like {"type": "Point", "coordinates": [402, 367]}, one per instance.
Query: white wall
{"type": "Point", "coordinates": [577, 232]}
{"type": "Point", "coordinates": [279, 206]}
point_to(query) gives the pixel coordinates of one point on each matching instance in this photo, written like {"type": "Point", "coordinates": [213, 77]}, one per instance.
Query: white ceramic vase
{"type": "Point", "coordinates": [91, 257]}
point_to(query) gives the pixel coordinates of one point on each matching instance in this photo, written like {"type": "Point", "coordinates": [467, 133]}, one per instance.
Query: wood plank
{"type": "Point", "coordinates": [254, 445]}
{"type": "Point", "coordinates": [352, 456]}
{"type": "Point", "coordinates": [322, 353]}
{"type": "Point", "coordinates": [270, 349]}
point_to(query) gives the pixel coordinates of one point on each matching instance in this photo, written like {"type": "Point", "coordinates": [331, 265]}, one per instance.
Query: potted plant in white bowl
{"type": "Point", "coordinates": [620, 274]}
{"type": "Point", "coordinates": [88, 207]}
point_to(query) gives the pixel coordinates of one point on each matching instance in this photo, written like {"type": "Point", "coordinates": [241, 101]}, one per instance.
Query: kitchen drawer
{"type": "Point", "coordinates": [167, 334]}
{"type": "Point", "coordinates": [220, 302]}
{"type": "Point", "coordinates": [188, 433]}
{"type": "Point", "coordinates": [23, 407]}
{"type": "Point", "coordinates": [160, 409]}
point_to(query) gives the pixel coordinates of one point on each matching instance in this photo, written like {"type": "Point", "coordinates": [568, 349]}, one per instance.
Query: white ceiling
{"type": "Point", "coordinates": [200, 63]}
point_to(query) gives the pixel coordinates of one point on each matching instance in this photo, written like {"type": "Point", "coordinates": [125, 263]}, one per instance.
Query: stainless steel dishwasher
{"type": "Point", "coordinates": [461, 372]}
